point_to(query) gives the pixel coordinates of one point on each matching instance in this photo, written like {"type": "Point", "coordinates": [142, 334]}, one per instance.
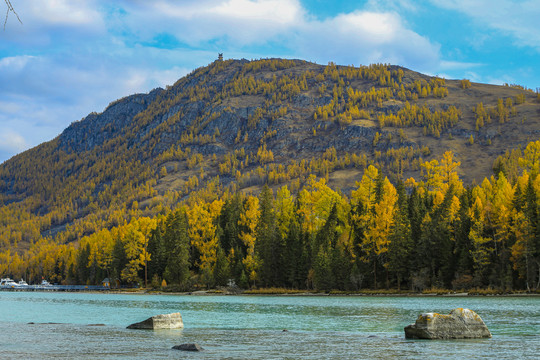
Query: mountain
{"type": "Point", "coordinates": [239, 124]}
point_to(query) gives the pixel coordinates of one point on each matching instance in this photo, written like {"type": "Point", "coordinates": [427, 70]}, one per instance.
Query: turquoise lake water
{"type": "Point", "coordinates": [251, 327]}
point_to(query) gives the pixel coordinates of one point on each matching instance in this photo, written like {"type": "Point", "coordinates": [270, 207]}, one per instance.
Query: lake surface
{"type": "Point", "coordinates": [251, 327]}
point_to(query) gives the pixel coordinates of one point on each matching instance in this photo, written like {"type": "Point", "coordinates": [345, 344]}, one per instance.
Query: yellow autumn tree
{"type": "Point", "coordinates": [365, 192]}
{"type": "Point", "coordinates": [498, 210]}
{"type": "Point", "coordinates": [531, 158]}
{"type": "Point", "coordinates": [248, 219]}
{"type": "Point", "coordinates": [380, 221]}
{"type": "Point", "coordinates": [202, 233]}
{"type": "Point", "coordinates": [362, 202]}
{"type": "Point", "coordinates": [284, 206]}
{"type": "Point", "coordinates": [439, 176]}
{"type": "Point", "coordinates": [136, 247]}
{"type": "Point", "coordinates": [316, 201]}
{"type": "Point", "coordinates": [431, 174]}
{"type": "Point", "coordinates": [449, 173]}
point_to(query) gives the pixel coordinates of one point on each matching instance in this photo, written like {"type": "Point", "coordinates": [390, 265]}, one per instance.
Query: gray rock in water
{"type": "Point", "coordinates": [164, 321]}
{"type": "Point", "coordinates": [460, 324]}
{"type": "Point", "coordinates": [188, 347]}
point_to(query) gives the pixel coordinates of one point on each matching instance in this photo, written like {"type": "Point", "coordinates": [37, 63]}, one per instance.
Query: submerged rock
{"type": "Point", "coordinates": [459, 324]}
{"type": "Point", "coordinates": [188, 347]}
{"type": "Point", "coordinates": [164, 321]}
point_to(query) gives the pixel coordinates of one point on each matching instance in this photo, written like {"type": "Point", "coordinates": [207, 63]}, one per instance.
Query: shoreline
{"type": "Point", "coordinates": [314, 294]}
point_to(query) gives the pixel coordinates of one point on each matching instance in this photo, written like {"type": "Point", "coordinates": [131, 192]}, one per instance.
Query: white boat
{"type": "Point", "coordinates": [8, 283]}
{"type": "Point", "coordinates": [45, 283]}
{"type": "Point", "coordinates": [23, 283]}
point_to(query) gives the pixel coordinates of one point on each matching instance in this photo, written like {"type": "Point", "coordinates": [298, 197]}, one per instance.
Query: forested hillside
{"type": "Point", "coordinates": [364, 176]}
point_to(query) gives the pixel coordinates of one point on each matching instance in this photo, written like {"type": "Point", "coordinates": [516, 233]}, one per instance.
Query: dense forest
{"type": "Point", "coordinates": [435, 233]}
{"type": "Point", "coordinates": [284, 173]}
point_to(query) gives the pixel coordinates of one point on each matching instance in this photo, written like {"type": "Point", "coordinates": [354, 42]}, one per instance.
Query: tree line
{"type": "Point", "coordinates": [430, 233]}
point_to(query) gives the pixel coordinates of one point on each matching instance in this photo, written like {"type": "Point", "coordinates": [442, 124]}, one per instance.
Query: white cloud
{"type": "Point", "coordinates": [241, 22]}
{"type": "Point", "coordinates": [45, 21]}
{"type": "Point", "coordinates": [281, 12]}
{"type": "Point", "coordinates": [15, 63]}
{"type": "Point", "coordinates": [364, 37]}
{"type": "Point", "coordinates": [276, 11]}
{"type": "Point", "coordinates": [12, 142]}
{"type": "Point", "coordinates": [516, 18]}
{"type": "Point", "coordinates": [377, 27]}
{"type": "Point", "coordinates": [394, 5]}
{"type": "Point", "coordinates": [62, 12]}
{"type": "Point", "coordinates": [456, 65]}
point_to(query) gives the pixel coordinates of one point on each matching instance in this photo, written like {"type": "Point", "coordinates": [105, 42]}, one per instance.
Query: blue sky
{"type": "Point", "coordinates": [71, 57]}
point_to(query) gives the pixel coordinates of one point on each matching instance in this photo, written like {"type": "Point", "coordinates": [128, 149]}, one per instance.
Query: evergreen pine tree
{"type": "Point", "coordinates": [177, 247]}
{"type": "Point", "coordinates": [269, 246]}
{"type": "Point", "coordinates": [401, 245]}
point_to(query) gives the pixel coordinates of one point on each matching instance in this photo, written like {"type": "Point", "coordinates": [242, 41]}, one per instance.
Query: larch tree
{"type": "Point", "coordinates": [136, 247]}
{"type": "Point", "coordinates": [381, 221]}
{"type": "Point", "coordinates": [449, 173]}
{"type": "Point", "coordinates": [362, 203]}
{"type": "Point", "coordinates": [249, 219]}
{"type": "Point", "coordinates": [202, 233]}
{"type": "Point", "coordinates": [315, 204]}
{"type": "Point", "coordinates": [531, 158]}
{"type": "Point", "coordinates": [284, 206]}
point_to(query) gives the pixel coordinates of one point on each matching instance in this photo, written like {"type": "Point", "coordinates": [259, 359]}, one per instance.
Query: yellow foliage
{"type": "Point", "coordinates": [264, 156]}
{"type": "Point", "coordinates": [379, 224]}
{"type": "Point", "coordinates": [465, 84]}
{"type": "Point", "coordinates": [316, 201]}
{"type": "Point", "coordinates": [249, 218]}
{"type": "Point", "coordinates": [531, 158]}
{"type": "Point", "coordinates": [202, 231]}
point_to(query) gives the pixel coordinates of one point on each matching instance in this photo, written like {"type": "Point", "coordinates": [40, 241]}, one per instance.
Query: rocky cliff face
{"type": "Point", "coordinates": [96, 129]}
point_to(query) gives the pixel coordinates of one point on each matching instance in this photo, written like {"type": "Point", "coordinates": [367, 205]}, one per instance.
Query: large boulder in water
{"type": "Point", "coordinates": [460, 324]}
{"type": "Point", "coordinates": [164, 321]}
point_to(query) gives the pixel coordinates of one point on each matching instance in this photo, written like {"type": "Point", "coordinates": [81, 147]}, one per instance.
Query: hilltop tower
{"type": "Point", "coordinates": [220, 57]}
